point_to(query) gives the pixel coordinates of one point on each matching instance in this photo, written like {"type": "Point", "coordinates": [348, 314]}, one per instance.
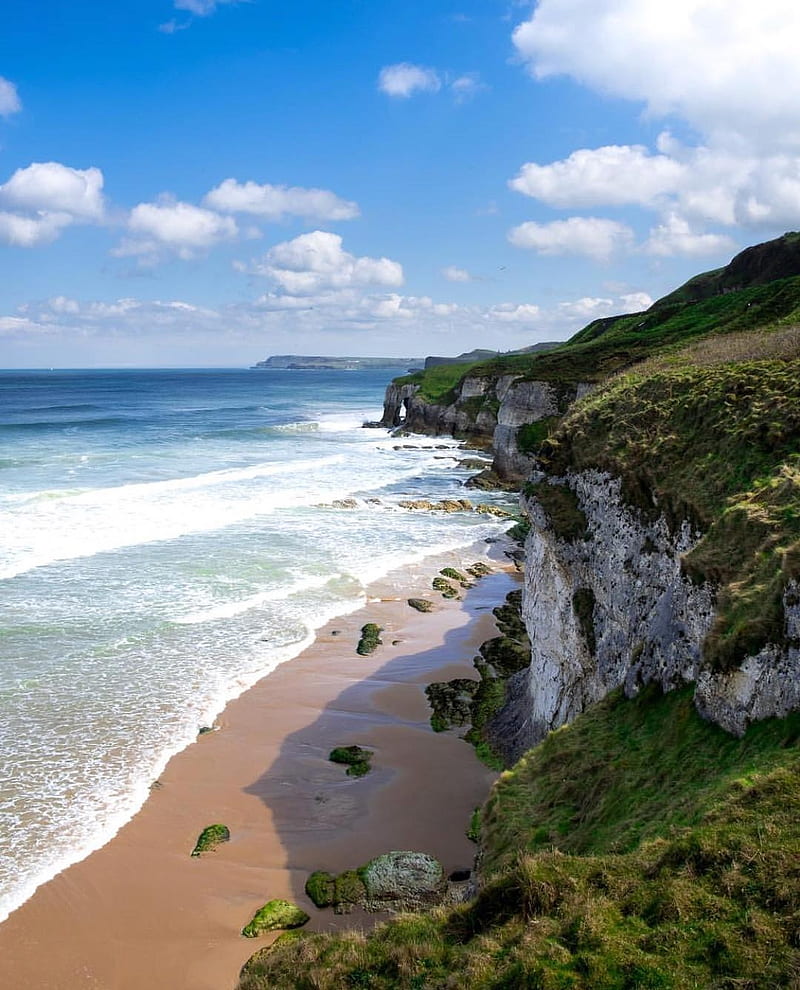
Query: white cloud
{"type": "Point", "coordinates": [45, 198]}
{"type": "Point", "coordinates": [592, 236]}
{"type": "Point", "coordinates": [202, 8]}
{"type": "Point", "coordinates": [275, 203]}
{"type": "Point", "coordinates": [582, 311]}
{"type": "Point", "coordinates": [675, 237]}
{"type": "Point", "coordinates": [613, 175]}
{"type": "Point", "coordinates": [726, 66]}
{"type": "Point", "coordinates": [689, 187]}
{"type": "Point", "coordinates": [22, 231]}
{"type": "Point", "coordinates": [455, 274]}
{"type": "Point", "coordinates": [49, 187]}
{"type": "Point", "coordinates": [62, 304]}
{"type": "Point", "coordinates": [9, 98]}
{"type": "Point", "coordinates": [316, 262]}
{"type": "Point", "coordinates": [466, 86]}
{"type": "Point", "coordinates": [514, 313]}
{"type": "Point", "coordinates": [634, 302]}
{"type": "Point", "coordinates": [173, 226]}
{"type": "Point", "coordinates": [404, 80]}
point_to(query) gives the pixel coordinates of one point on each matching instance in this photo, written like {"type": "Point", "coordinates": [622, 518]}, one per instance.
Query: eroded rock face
{"type": "Point", "coordinates": [613, 609]}
{"type": "Point", "coordinates": [402, 881]}
{"type": "Point", "coordinates": [766, 685]}
{"type": "Point", "coordinates": [486, 410]}
{"type": "Point", "coordinates": [520, 403]}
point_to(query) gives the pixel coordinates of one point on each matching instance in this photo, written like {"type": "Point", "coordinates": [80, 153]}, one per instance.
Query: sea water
{"type": "Point", "coordinates": [166, 539]}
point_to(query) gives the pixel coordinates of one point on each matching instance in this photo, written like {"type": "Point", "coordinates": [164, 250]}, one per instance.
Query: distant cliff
{"type": "Point", "coordinates": [304, 362]}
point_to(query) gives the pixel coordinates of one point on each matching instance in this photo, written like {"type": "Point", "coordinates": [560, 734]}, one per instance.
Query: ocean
{"type": "Point", "coordinates": [166, 539]}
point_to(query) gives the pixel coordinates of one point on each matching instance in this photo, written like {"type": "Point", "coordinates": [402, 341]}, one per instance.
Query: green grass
{"type": "Point", "coordinates": [640, 848]}
{"type": "Point", "coordinates": [531, 435]}
{"type": "Point", "coordinates": [438, 384]}
{"type": "Point", "coordinates": [561, 507]}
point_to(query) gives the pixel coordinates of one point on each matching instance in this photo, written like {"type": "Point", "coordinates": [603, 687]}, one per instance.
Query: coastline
{"type": "Point", "coordinates": [140, 912]}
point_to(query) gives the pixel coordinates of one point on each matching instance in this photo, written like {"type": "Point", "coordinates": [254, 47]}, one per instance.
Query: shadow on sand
{"type": "Point", "coordinates": [423, 787]}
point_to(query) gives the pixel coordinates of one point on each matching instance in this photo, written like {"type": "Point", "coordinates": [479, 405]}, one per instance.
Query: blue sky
{"type": "Point", "coordinates": [200, 183]}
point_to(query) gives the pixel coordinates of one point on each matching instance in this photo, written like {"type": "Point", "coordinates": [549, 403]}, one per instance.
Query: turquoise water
{"type": "Point", "coordinates": [167, 538]}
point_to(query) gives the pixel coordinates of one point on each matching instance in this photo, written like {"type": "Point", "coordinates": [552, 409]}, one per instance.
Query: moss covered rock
{"type": "Point", "coordinates": [420, 604]}
{"type": "Point", "coordinates": [453, 574]}
{"type": "Point", "coordinates": [321, 888]}
{"type": "Point", "coordinates": [273, 916]}
{"type": "Point", "coordinates": [479, 569]}
{"type": "Point", "coordinates": [355, 758]}
{"type": "Point", "coordinates": [451, 702]}
{"type": "Point", "coordinates": [370, 639]}
{"type": "Point", "coordinates": [210, 838]}
{"type": "Point", "coordinates": [443, 586]}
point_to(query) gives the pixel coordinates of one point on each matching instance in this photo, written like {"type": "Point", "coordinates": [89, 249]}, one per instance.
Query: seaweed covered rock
{"type": "Point", "coordinates": [451, 702]}
{"type": "Point", "coordinates": [421, 604]}
{"type": "Point", "coordinates": [444, 505]}
{"type": "Point", "coordinates": [321, 888]}
{"type": "Point", "coordinates": [355, 758]}
{"type": "Point", "coordinates": [454, 575]}
{"type": "Point", "coordinates": [402, 881]}
{"type": "Point", "coordinates": [370, 639]}
{"type": "Point", "coordinates": [210, 838]}
{"type": "Point", "coordinates": [478, 569]}
{"type": "Point", "coordinates": [443, 586]}
{"type": "Point", "coordinates": [273, 916]}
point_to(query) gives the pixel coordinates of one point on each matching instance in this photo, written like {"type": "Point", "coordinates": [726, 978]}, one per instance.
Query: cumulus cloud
{"type": "Point", "coordinates": [49, 187]}
{"type": "Point", "coordinates": [40, 201]}
{"type": "Point", "coordinates": [675, 237]}
{"type": "Point", "coordinates": [591, 236]}
{"type": "Point", "coordinates": [613, 175]}
{"type": "Point", "coordinates": [316, 262]}
{"type": "Point", "coordinates": [726, 66]}
{"type": "Point", "coordinates": [514, 313]}
{"type": "Point", "coordinates": [9, 98]}
{"type": "Point", "coordinates": [404, 79]}
{"type": "Point", "coordinates": [275, 203]}
{"type": "Point", "coordinates": [174, 227]}
{"type": "Point", "coordinates": [454, 274]}
{"type": "Point", "coordinates": [690, 187]}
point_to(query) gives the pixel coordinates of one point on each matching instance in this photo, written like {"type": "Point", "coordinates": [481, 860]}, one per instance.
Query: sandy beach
{"type": "Point", "coordinates": [141, 914]}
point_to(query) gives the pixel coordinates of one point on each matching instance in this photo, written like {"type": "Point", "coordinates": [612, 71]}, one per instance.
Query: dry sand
{"type": "Point", "coordinates": [141, 914]}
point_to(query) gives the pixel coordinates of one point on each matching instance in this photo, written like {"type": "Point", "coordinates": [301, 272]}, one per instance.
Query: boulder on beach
{"type": "Point", "coordinates": [273, 916]}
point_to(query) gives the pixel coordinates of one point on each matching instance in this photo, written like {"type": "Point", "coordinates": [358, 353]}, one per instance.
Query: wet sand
{"type": "Point", "coordinates": [141, 914]}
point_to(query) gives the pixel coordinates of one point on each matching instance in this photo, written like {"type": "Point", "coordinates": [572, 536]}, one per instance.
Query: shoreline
{"type": "Point", "coordinates": [140, 912]}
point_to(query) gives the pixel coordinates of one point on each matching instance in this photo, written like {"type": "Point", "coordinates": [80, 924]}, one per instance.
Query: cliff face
{"type": "Point", "coordinates": [489, 410]}
{"type": "Point", "coordinates": [612, 608]}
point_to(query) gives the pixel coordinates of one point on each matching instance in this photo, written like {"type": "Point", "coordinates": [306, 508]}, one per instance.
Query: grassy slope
{"type": "Point", "coordinates": [640, 847]}
{"type": "Point", "coordinates": [606, 346]}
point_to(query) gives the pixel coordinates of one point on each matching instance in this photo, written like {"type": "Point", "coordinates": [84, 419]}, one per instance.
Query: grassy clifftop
{"type": "Point", "coordinates": [759, 289]}
{"type": "Point", "coordinates": [638, 848]}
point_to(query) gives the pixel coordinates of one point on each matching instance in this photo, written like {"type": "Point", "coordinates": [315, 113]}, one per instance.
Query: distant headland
{"type": "Point", "coordinates": [304, 362]}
